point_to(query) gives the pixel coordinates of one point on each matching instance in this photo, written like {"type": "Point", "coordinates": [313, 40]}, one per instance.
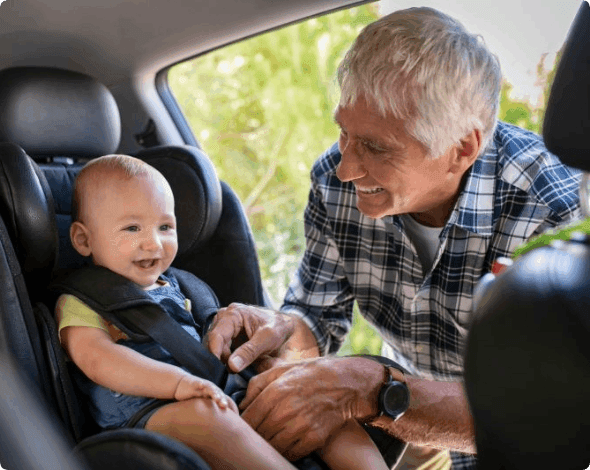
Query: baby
{"type": "Point", "coordinates": [124, 219]}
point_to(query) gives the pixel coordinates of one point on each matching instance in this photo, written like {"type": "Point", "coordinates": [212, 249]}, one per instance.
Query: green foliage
{"type": "Point", "coordinates": [521, 112]}
{"type": "Point", "coordinates": [552, 236]}
{"type": "Point", "coordinates": [363, 338]}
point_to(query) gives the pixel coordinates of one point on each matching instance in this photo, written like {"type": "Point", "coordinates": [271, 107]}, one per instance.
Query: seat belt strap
{"type": "Point", "coordinates": [152, 320]}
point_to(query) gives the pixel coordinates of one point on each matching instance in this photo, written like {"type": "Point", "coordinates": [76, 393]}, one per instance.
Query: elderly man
{"type": "Point", "coordinates": [423, 192]}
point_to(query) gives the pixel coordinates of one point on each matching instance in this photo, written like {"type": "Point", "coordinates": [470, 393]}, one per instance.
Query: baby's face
{"type": "Point", "coordinates": [132, 228]}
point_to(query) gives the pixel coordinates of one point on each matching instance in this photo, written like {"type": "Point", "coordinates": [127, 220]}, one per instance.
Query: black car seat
{"type": "Point", "coordinates": [40, 417]}
{"type": "Point", "coordinates": [51, 122]}
{"type": "Point", "coordinates": [527, 366]}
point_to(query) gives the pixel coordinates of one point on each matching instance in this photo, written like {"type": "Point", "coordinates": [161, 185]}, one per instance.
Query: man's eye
{"type": "Point", "coordinates": [374, 150]}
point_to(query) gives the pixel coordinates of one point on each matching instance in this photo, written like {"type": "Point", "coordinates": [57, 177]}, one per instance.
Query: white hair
{"type": "Point", "coordinates": [424, 68]}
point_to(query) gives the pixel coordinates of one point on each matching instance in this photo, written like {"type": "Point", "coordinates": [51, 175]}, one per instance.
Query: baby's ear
{"type": "Point", "coordinates": [80, 238]}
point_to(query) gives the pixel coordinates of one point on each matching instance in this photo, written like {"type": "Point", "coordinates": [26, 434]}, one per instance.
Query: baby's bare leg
{"type": "Point", "coordinates": [220, 436]}
{"type": "Point", "coordinates": [351, 448]}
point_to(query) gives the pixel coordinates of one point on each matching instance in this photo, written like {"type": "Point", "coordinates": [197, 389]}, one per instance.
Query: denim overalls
{"type": "Point", "coordinates": [113, 410]}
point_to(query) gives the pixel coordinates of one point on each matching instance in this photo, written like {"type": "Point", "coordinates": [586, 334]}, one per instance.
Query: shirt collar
{"type": "Point", "coordinates": [474, 209]}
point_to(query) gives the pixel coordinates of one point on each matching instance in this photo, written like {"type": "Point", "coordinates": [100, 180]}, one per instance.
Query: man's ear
{"type": "Point", "coordinates": [80, 238]}
{"type": "Point", "coordinates": [468, 150]}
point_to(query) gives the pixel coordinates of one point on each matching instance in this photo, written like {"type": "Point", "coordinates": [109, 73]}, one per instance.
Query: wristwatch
{"type": "Point", "coordinates": [394, 397]}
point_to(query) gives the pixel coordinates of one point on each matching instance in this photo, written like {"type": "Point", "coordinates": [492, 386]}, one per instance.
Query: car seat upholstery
{"type": "Point", "coordinates": [24, 420]}
{"type": "Point", "coordinates": [527, 366]}
{"type": "Point", "coordinates": [51, 123]}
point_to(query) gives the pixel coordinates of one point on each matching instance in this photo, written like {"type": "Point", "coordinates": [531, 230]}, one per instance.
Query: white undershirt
{"type": "Point", "coordinates": [425, 240]}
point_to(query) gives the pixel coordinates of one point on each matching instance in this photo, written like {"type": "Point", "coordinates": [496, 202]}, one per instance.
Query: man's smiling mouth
{"type": "Point", "coordinates": [369, 191]}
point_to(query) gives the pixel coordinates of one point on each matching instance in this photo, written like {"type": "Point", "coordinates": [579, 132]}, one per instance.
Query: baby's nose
{"type": "Point", "coordinates": [152, 242]}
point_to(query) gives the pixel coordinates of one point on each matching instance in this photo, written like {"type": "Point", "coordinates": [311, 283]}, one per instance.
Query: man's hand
{"type": "Point", "coordinates": [297, 406]}
{"type": "Point", "coordinates": [191, 386]}
{"type": "Point", "coordinates": [258, 332]}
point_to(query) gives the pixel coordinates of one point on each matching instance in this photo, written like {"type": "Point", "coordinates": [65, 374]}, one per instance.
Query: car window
{"type": "Point", "coordinates": [262, 110]}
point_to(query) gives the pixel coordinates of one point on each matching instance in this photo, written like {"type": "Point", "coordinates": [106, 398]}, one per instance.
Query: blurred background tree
{"type": "Point", "coordinates": [262, 109]}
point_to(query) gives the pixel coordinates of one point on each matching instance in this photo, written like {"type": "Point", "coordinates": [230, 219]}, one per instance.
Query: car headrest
{"type": "Point", "coordinates": [53, 112]}
{"type": "Point", "coordinates": [566, 126]}
{"type": "Point", "coordinates": [196, 189]}
{"type": "Point", "coordinates": [28, 208]}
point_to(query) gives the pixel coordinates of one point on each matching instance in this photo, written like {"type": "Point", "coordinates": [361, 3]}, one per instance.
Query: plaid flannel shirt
{"type": "Point", "coordinates": [515, 190]}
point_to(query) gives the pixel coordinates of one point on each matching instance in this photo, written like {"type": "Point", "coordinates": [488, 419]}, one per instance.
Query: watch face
{"type": "Point", "coordinates": [395, 399]}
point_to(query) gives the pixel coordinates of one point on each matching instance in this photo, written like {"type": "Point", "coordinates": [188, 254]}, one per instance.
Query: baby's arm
{"type": "Point", "coordinates": [351, 448]}
{"type": "Point", "coordinates": [124, 370]}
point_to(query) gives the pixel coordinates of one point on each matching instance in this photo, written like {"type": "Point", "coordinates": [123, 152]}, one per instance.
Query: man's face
{"type": "Point", "coordinates": [132, 228]}
{"type": "Point", "coordinates": [391, 171]}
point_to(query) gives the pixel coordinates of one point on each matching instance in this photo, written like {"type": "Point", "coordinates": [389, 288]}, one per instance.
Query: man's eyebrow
{"type": "Point", "coordinates": [391, 140]}
{"type": "Point", "coordinates": [387, 142]}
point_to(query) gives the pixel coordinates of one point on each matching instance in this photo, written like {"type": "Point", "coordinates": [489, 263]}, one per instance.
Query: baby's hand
{"type": "Point", "coordinates": [191, 386]}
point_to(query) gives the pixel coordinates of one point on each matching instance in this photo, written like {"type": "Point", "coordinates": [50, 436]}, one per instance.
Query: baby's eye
{"type": "Point", "coordinates": [165, 227]}
{"type": "Point", "coordinates": [131, 228]}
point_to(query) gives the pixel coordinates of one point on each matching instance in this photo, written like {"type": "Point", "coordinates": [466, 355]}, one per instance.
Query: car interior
{"type": "Point", "coordinates": [65, 100]}
{"type": "Point", "coordinates": [83, 79]}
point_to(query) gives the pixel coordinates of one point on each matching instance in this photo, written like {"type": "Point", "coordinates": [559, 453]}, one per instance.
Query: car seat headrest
{"type": "Point", "coordinates": [53, 112]}
{"type": "Point", "coordinates": [567, 117]}
{"type": "Point", "coordinates": [27, 209]}
{"type": "Point", "coordinates": [527, 363]}
{"type": "Point", "coordinates": [196, 189]}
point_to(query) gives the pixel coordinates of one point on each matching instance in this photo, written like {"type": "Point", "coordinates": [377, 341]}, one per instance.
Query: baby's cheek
{"type": "Point", "coordinates": [125, 245]}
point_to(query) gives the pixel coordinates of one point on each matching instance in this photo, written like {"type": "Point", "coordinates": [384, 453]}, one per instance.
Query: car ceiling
{"type": "Point", "coordinates": [125, 43]}
{"type": "Point", "coordinates": [116, 39]}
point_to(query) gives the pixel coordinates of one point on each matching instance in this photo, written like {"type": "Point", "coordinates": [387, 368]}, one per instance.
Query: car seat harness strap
{"type": "Point", "coordinates": [131, 309]}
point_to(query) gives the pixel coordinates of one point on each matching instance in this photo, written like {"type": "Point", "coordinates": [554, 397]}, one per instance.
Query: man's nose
{"type": "Point", "coordinates": [351, 166]}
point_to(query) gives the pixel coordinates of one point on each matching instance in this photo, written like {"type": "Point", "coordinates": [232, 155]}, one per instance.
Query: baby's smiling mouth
{"type": "Point", "coordinates": [146, 263]}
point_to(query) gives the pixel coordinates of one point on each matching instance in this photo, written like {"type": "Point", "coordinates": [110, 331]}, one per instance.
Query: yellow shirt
{"type": "Point", "coordinates": [71, 311]}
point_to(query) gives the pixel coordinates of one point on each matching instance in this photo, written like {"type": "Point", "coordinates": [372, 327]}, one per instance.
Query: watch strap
{"type": "Point", "coordinates": [392, 375]}
{"type": "Point", "coordinates": [383, 360]}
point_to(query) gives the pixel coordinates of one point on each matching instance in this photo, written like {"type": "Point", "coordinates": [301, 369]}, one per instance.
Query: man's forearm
{"type": "Point", "coordinates": [438, 417]}
{"type": "Point", "coordinates": [302, 344]}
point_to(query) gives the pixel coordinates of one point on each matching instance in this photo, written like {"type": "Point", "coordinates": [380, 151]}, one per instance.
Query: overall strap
{"type": "Point", "coordinates": [131, 309]}
{"type": "Point", "coordinates": [203, 300]}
